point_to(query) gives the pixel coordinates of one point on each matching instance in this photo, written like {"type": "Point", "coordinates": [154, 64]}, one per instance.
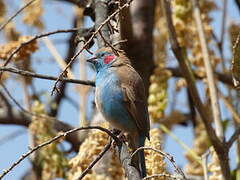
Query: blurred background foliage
{"type": "Point", "coordinates": [170, 104]}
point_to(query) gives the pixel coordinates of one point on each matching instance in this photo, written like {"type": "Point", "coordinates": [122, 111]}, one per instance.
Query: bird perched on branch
{"type": "Point", "coordinates": [120, 97]}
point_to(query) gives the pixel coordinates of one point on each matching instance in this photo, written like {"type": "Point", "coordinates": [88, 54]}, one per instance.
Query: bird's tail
{"type": "Point", "coordinates": [141, 156]}
{"type": "Point", "coordinates": [139, 159]}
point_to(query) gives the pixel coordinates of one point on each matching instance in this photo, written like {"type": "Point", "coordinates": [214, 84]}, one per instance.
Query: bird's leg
{"type": "Point", "coordinates": [116, 131]}
{"type": "Point", "coordinates": [120, 135]}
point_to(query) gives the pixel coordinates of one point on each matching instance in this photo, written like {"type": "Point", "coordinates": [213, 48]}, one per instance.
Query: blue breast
{"type": "Point", "coordinates": [109, 97]}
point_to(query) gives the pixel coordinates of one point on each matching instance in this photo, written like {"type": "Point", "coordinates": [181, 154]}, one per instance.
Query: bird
{"type": "Point", "coordinates": [120, 97]}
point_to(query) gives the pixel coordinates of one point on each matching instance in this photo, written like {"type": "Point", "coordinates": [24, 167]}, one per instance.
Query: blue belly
{"type": "Point", "coordinates": [109, 98]}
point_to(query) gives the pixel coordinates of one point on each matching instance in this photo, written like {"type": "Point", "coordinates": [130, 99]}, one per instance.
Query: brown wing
{"type": "Point", "coordinates": [134, 97]}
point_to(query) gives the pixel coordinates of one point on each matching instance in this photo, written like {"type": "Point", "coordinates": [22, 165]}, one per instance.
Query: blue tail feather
{"type": "Point", "coordinates": [141, 156]}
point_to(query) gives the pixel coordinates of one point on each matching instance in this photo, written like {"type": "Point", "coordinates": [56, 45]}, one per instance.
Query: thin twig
{"type": "Point", "coordinates": [168, 156]}
{"type": "Point", "coordinates": [23, 110]}
{"type": "Point", "coordinates": [119, 42]}
{"type": "Point", "coordinates": [6, 103]}
{"type": "Point", "coordinates": [105, 149]}
{"type": "Point", "coordinates": [205, 165]}
{"type": "Point", "coordinates": [41, 76]}
{"type": "Point", "coordinates": [209, 71]}
{"type": "Point", "coordinates": [219, 146]}
{"type": "Point", "coordinates": [230, 108]}
{"type": "Point", "coordinates": [16, 13]}
{"type": "Point", "coordinates": [234, 137]}
{"type": "Point", "coordinates": [57, 56]}
{"type": "Point", "coordinates": [115, 50]}
{"type": "Point", "coordinates": [14, 100]}
{"type": "Point", "coordinates": [33, 39]}
{"type": "Point", "coordinates": [223, 23]}
{"type": "Point", "coordinates": [165, 176]}
{"type": "Point", "coordinates": [5, 172]}
{"type": "Point", "coordinates": [181, 143]}
{"type": "Point", "coordinates": [89, 40]}
{"type": "Point", "coordinates": [187, 73]}
{"type": "Point", "coordinates": [222, 35]}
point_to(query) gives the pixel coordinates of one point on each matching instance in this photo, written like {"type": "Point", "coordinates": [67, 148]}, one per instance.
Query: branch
{"type": "Point", "coordinates": [168, 156]}
{"type": "Point", "coordinates": [79, 3]}
{"type": "Point", "coordinates": [33, 39]}
{"type": "Point", "coordinates": [230, 108]}
{"type": "Point", "coordinates": [5, 103]}
{"type": "Point", "coordinates": [88, 42]}
{"type": "Point", "coordinates": [23, 118]}
{"type": "Point", "coordinates": [223, 23]}
{"type": "Point", "coordinates": [41, 76]}
{"type": "Point", "coordinates": [5, 172]}
{"type": "Point", "coordinates": [126, 27]}
{"type": "Point", "coordinates": [125, 158]}
{"type": "Point", "coordinates": [209, 71]}
{"type": "Point", "coordinates": [238, 4]}
{"type": "Point", "coordinates": [101, 13]}
{"type": "Point", "coordinates": [165, 176]}
{"type": "Point", "coordinates": [204, 158]}
{"type": "Point", "coordinates": [219, 147]}
{"type": "Point", "coordinates": [18, 118]}
{"type": "Point", "coordinates": [16, 13]}
{"type": "Point", "coordinates": [139, 33]}
{"type": "Point", "coordinates": [234, 137]}
{"type": "Point", "coordinates": [187, 72]}
{"type": "Point", "coordinates": [105, 149]}
{"type": "Point", "coordinates": [53, 111]}
{"type": "Point", "coordinates": [223, 77]}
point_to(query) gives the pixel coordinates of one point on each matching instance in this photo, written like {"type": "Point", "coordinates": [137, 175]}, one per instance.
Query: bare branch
{"type": "Point", "coordinates": [168, 156]}
{"type": "Point", "coordinates": [223, 77]}
{"type": "Point", "coordinates": [89, 40]}
{"type": "Point", "coordinates": [22, 119]}
{"type": "Point", "coordinates": [125, 158]}
{"type": "Point", "coordinates": [61, 135]}
{"type": "Point", "coordinates": [4, 102]}
{"type": "Point", "coordinates": [209, 71]}
{"type": "Point", "coordinates": [80, 3]}
{"type": "Point", "coordinates": [101, 13]}
{"type": "Point", "coordinates": [234, 137]}
{"type": "Point", "coordinates": [231, 109]}
{"type": "Point", "coordinates": [41, 76]}
{"type": "Point", "coordinates": [205, 164]}
{"type": "Point", "coordinates": [224, 19]}
{"type": "Point", "coordinates": [15, 14]}
{"type": "Point", "coordinates": [105, 149]}
{"type": "Point", "coordinates": [219, 147]}
{"type": "Point", "coordinates": [187, 72]}
{"type": "Point", "coordinates": [33, 39]}
{"type": "Point", "coordinates": [165, 176]}
{"type": "Point", "coordinates": [14, 100]}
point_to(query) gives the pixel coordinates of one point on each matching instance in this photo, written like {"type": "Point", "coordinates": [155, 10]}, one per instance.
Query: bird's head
{"type": "Point", "coordinates": [104, 58]}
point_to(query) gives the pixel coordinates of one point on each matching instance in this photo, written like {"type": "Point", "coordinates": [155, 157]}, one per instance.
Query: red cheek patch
{"type": "Point", "coordinates": [108, 59]}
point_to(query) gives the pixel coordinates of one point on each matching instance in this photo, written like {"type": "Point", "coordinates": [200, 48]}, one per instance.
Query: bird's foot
{"type": "Point", "coordinates": [116, 132]}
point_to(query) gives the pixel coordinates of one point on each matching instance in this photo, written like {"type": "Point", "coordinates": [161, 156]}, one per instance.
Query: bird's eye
{"type": "Point", "coordinates": [100, 55]}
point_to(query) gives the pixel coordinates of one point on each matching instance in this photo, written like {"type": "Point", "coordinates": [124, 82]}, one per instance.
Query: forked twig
{"type": "Point", "coordinates": [105, 149]}
{"type": "Point", "coordinates": [41, 76]}
{"type": "Point", "coordinates": [16, 13]}
{"type": "Point", "coordinates": [168, 156]}
{"type": "Point", "coordinates": [33, 39]}
{"type": "Point", "coordinates": [166, 176]}
{"type": "Point", "coordinates": [5, 172]}
{"type": "Point", "coordinates": [88, 41]}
